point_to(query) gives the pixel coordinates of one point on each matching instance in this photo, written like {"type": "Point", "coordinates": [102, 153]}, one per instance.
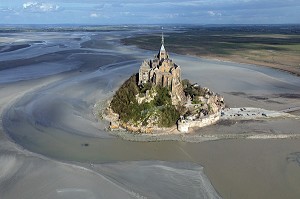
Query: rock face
{"type": "Point", "coordinates": [148, 97]}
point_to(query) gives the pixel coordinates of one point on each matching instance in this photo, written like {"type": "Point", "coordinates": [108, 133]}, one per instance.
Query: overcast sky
{"type": "Point", "coordinates": [149, 11]}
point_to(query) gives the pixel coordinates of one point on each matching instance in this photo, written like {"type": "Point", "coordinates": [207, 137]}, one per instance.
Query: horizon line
{"type": "Point", "coordinates": [154, 24]}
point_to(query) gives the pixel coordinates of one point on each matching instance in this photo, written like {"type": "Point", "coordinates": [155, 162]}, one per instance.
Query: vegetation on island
{"type": "Point", "coordinates": [192, 90]}
{"type": "Point", "coordinates": [160, 109]}
{"type": "Point", "coordinates": [148, 105]}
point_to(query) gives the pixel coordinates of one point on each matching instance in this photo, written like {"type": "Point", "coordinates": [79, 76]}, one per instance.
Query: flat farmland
{"type": "Point", "coordinates": [272, 46]}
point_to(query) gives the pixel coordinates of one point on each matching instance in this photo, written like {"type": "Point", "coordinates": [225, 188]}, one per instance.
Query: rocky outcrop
{"type": "Point", "coordinates": [202, 110]}
{"type": "Point", "coordinates": [147, 97]}
{"type": "Point", "coordinates": [178, 95]}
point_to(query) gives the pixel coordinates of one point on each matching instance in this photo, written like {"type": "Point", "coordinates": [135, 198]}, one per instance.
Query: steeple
{"type": "Point", "coordinates": [162, 52]}
{"type": "Point", "coordinates": [162, 48]}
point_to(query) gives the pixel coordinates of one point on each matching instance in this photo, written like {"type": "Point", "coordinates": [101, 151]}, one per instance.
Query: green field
{"type": "Point", "coordinates": [274, 47]}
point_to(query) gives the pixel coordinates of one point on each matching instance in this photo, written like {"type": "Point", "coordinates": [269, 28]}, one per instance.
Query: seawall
{"type": "Point", "coordinates": [185, 125]}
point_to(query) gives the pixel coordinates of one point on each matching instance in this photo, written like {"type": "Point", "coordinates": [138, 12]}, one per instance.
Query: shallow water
{"type": "Point", "coordinates": [35, 71]}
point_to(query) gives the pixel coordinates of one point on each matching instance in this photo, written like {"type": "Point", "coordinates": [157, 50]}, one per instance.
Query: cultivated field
{"type": "Point", "coordinates": [273, 46]}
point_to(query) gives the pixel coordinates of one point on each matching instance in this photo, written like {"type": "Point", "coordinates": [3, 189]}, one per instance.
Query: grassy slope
{"type": "Point", "coordinates": [275, 48]}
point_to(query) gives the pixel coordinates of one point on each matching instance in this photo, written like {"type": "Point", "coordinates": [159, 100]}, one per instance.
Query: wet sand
{"type": "Point", "coordinates": [50, 112]}
{"type": "Point", "coordinates": [53, 116]}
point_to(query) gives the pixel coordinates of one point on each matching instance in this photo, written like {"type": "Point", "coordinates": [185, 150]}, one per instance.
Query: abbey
{"type": "Point", "coordinates": [157, 97]}
{"type": "Point", "coordinates": [162, 71]}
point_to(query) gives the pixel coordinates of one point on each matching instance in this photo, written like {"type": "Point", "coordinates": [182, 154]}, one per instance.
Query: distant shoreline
{"type": "Point", "coordinates": [288, 69]}
{"type": "Point", "coordinates": [273, 48]}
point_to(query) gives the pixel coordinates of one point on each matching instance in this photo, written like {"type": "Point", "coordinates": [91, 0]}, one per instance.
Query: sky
{"type": "Point", "coordinates": [105, 12]}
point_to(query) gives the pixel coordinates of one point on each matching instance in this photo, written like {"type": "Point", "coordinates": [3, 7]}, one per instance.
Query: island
{"type": "Point", "coordinates": [158, 99]}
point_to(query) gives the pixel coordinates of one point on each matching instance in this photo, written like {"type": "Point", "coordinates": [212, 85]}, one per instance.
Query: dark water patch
{"type": "Point", "coordinates": [226, 122]}
{"type": "Point", "coordinates": [274, 102]}
{"type": "Point", "coordinates": [237, 93]}
{"type": "Point", "coordinates": [10, 48]}
{"type": "Point", "coordinates": [57, 56]}
{"type": "Point", "coordinates": [289, 95]}
{"type": "Point", "coordinates": [258, 98]}
{"type": "Point", "coordinates": [38, 42]}
{"type": "Point", "coordinates": [88, 57]}
{"type": "Point", "coordinates": [62, 46]}
{"type": "Point", "coordinates": [250, 121]}
{"type": "Point", "coordinates": [234, 122]}
{"type": "Point", "coordinates": [267, 98]}
{"type": "Point", "coordinates": [294, 158]}
{"type": "Point", "coordinates": [95, 44]}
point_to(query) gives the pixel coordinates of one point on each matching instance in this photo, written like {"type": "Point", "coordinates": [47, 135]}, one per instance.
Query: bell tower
{"type": "Point", "coordinates": [162, 52]}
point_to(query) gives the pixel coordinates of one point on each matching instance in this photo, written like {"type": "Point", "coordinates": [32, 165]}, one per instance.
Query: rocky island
{"type": "Point", "coordinates": [157, 99]}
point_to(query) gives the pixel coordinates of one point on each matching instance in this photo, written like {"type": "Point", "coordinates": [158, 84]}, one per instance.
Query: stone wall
{"type": "Point", "coordinates": [185, 125]}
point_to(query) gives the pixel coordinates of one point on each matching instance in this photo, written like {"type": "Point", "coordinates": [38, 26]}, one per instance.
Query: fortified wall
{"type": "Point", "coordinates": [184, 125]}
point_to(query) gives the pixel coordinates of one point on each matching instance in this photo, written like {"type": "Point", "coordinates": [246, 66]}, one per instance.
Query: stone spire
{"type": "Point", "coordinates": [162, 54]}
{"type": "Point", "coordinates": [162, 48]}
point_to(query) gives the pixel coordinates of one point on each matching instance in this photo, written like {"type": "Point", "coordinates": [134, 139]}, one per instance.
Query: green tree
{"type": "Point", "coordinates": [169, 116]}
{"type": "Point", "coordinates": [124, 102]}
{"type": "Point", "coordinates": [162, 97]}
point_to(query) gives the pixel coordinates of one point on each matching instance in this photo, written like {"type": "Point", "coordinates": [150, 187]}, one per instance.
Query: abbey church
{"type": "Point", "coordinates": [162, 71]}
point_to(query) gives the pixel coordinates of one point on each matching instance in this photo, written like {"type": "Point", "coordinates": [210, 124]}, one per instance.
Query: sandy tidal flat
{"type": "Point", "coordinates": [54, 102]}
{"type": "Point", "coordinates": [72, 155]}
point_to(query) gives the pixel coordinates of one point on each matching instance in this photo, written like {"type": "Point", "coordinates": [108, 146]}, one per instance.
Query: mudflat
{"type": "Point", "coordinates": [48, 121]}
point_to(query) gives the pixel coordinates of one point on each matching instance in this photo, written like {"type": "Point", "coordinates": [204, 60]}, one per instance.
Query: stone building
{"type": "Point", "coordinates": [162, 71]}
